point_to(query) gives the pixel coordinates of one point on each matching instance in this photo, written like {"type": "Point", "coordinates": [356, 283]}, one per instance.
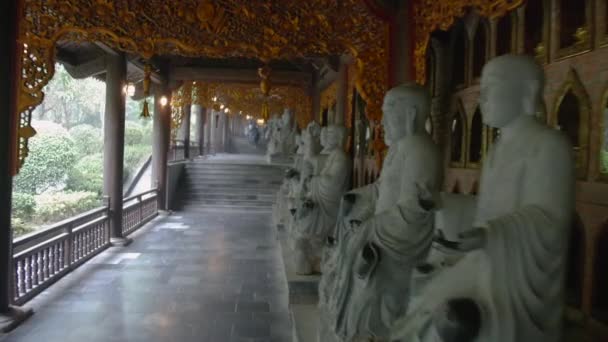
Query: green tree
{"type": "Point", "coordinates": [87, 174]}
{"type": "Point", "coordinates": [134, 133]}
{"type": "Point", "coordinates": [70, 102]}
{"type": "Point", "coordinates": [88, 139]}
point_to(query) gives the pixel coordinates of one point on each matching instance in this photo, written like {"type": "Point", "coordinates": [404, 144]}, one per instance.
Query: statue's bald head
{"type": "Point", "coordinates": [411, 94]}
{"type": "Point", "coordinates": [511, 85]}
{"type": "Point", "coordinates": [518, 69]}
{"type": "Point", "coordinates": [406, 108]}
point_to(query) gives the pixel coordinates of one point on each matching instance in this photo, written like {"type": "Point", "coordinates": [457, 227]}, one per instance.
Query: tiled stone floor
{"type": "Point", "coordinates": [187, 277]}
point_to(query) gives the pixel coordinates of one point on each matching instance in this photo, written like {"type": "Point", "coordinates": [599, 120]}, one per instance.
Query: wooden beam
{"type": "Point", "coordinates": [225, 75]}
{"type": "Point", "coordinates": [90, 68]}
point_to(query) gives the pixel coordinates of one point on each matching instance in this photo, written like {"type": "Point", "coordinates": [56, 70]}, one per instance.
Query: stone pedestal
{"type": "Point", "coordinates": [303, 295]}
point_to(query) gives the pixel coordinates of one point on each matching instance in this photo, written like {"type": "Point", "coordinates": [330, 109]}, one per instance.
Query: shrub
{"type": "Point", "coordinates": [604, 161]}
{"type": "Point", "coordinates": [20, 227]}
{"type": "Point", "coordinates": [87, 139]}
{"type": "Point", "coordinates": [134, 156]}
{"type": "Point", "coordinates": [87, 174]}
{"type": "Point", "coordinates": [134, 134]}
{"type": "Point", "coordinates": [23, 206]}
{"type": "Point", "coordinates": [147, 131]}
{"type": "Point", "coordinates": [50, 159]}
{"type": "Point", "coordinates": [53, 207]}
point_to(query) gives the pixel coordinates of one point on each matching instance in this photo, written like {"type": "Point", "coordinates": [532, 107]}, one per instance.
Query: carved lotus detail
{"type": "Point", "coordinates": [205, 11]}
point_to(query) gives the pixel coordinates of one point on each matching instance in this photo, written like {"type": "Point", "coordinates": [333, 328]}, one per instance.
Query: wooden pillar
{"type": "Point", "coordinates": [7, 115]}
{"type": "Point", "coordinates": [315, 94]}
{"type": "Point", "coordinates": [160, 146]}
{"type": "Point", "coordinates": [208, 129]}
{"type": "Point", "coordinates": [114, 141]}
{"type": "Point", "coordinates": [10, 316]}
{"type": "Point", "coordinates": [401, 44]}
{"type": "Point", "coordinates": [186, 130]}
{"type": "Point", "coordinates": [200, 113]}
{"type": "Point", "coordinates": [341, 95]}
{"type": "Point", "coordinates": [226, 133]}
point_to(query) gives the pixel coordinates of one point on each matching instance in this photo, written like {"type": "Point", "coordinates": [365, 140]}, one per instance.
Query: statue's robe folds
{"type": "Point", "coordinates": [526, 203]}
{"type": "Point", "coordinates": [281, 206]}
{"type": "Point", "coordinates": [325, 190]}
{"type": "Point", "coordinates": [401, 232]}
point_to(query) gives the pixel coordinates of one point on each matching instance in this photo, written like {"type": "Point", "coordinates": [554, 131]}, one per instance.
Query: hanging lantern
{"type": "Point", "coordinates": [264, 74]}
{"type": "Point", "coordinates": [145, 113]}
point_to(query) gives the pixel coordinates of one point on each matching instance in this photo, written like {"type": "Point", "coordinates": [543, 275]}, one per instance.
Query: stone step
{"type": "Point", "coordinates": [219, 208]}
{"type": "Point", "coordinates": [197, 184]}
{"type": "Point", "coordinates": [233, 167]}
{"type": "Point", "coordinates": [253, 203]}
{"type": "Point", "coordinates": [263, 191]}
{"type": "Point", "coordinates": [234, 170]}
{"type": "Point", "coordinates": [229, 181]}
{"type": "Point", "coordinates": [242, 196]}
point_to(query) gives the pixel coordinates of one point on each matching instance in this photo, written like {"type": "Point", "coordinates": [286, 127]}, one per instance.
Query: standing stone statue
{"type": "Point", "coordinates": [516, 251]}
{"type": "Point", "coordinates": [282, 137]}
{"type": "Point", "coordinates": [308, 147]}
{"type": "Point", "coordinates": [270, 132]}
{"type": "Point", "coordinates": [317, 211]}
{"type": "Point", "coordinates": [384, 229]}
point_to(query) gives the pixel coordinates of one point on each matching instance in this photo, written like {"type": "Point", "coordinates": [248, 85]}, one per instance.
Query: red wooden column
{"type": "Point", "coordinates": [10, 316]}
{"type": "Point", "coordinates": [200, 113]}
{"type": "Point", "coordinates": [186, 129]}
{"type": "Point", "coordinates": [114, 142]}
{"type": "Point", "coordinates": [160, 146]}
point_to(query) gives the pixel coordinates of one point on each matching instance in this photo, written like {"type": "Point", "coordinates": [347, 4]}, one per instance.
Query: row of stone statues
{"type": "Point", "coordinates": [402, 262]}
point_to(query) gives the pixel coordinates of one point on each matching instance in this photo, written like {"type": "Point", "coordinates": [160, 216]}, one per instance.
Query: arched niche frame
{"type": "Point", "coordinates": [480, 49]}
{"type": "Point", "coordinates": [475, 142]}
{"type": "Point", "coordinates": [599, 301]}
{"type": "Point", "coordinates": [430, 15]}
{"type": "Point", "coordinates": [603, 143]}
{"type": "Point", "coordinates": [506, 33]}
{"type": "Point", "coordinates": [574, 26]}
{"type": "Point", "coordinates": [457, 127]}
{"type": "Point", "coordinates": [212, 29]}
{"type": "Point", "coordinates": [573, 89]}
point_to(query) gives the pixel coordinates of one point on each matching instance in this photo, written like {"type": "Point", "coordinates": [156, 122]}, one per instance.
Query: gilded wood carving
{"type": "Point", "coordinates": [430, 15]}
{"type": "Point", "coordinates": [268, 30]}
{"type": "Point", "coordinates": [241, 99]}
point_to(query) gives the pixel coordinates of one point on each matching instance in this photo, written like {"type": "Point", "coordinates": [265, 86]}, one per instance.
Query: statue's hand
{"type": "Point", "coordinates": [354, 223]}
{"type": "Point", "coordinates": [473, 239]}
{"type": "Point", "coordinates": [330, 241]}
{"type": "Point", "coordinates": [291, 173]}
{"type": "Point", "coordinates": [425, 198]}
{"type": "Point", "coordinates": [440, 239]}
{"type": "Point", "coordinates": [350, 197]}
{"type": "Point", "coordinates": [348, 201]}
{"type": "Point", "coordinates": [309, 204]}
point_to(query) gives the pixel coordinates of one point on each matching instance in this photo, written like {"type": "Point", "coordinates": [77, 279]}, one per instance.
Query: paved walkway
{"type": "Point", "coordinates": [187, 277]}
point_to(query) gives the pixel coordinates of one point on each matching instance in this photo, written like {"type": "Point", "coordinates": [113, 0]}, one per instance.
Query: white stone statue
{"type": "Point", "coordinates": [282, 136]}
{"type": "Point", "coordinates": [384, 229]}
{"type": "Point", "coordinates": [308, 147]}
{"type": "Point", "coordinates": [270, 134]}
{"type": "Point", "coordinates": [513, 270]}
{"type": "Point", "coordinates": [317, 209]}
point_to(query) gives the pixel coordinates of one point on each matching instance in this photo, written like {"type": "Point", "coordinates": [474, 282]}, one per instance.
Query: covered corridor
{"type": "Point", "coordinates": [191, 275]}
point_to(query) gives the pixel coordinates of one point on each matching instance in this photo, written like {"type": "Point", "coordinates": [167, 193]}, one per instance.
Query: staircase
{"type": "Point", "coordinates": [229, 185]}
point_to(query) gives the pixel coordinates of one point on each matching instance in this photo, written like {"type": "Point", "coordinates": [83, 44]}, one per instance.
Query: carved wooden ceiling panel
{"type": "Point", "coordinates": [266, 30]}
